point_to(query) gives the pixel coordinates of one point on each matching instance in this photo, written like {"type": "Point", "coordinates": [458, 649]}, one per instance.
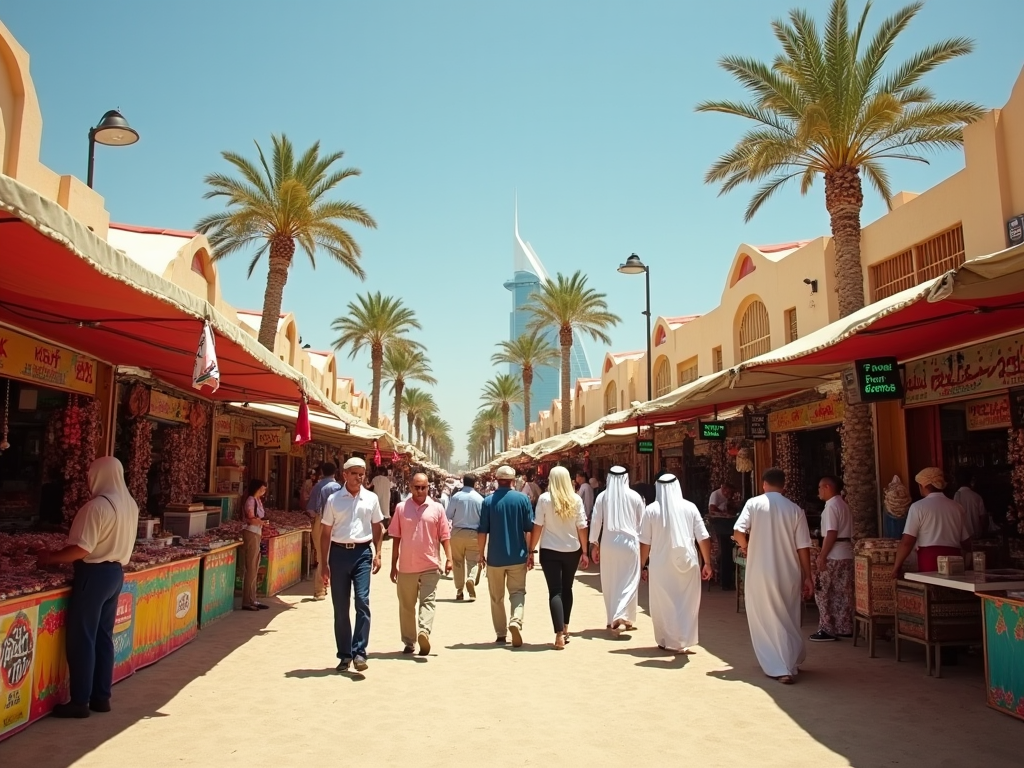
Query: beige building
{"type": "Point", "coordinates": [181, 257]}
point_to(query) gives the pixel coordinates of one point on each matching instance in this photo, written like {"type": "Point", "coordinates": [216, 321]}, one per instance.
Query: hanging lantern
{"type": "Point", "coordinates": [303, 432]}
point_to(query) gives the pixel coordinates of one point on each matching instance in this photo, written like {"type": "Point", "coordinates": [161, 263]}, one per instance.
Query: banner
{"type": "Point", "coordinates": [989, 413]}
{"type": "Point", "coordinates": [823, 413]}
{"type": "Point", "coordinates": [168, 408]}
{"type": "Point", "coordinates": [982, 368]}
{"type": "Point", "coordinates": [38, 362]}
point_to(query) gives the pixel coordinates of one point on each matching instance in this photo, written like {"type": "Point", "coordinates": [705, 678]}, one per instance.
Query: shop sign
{"type": "Point", "coordinates": [270, 438]}
{"type": "Point", "coordinates": [823, 413]}
{"type": "Point", "coordinates": [756, 425]}
{"type": "Point", "coordinates": [168, 408]}
{"type": "Point", "coordinates": [989, 413]}
{"type": "Point", "coordinates": [873, 380]}
{"type": "Point", "coordinates": [712, 430]}
{"type": "Point", "coordinates": [241, 428]}
{"type": "Point", "coordinates": [981, 368]}
{"type": "Point", "coordinates": [222, 424]}
{"type": "Point", "coordinates": [28, 359]}
{"type": "Point", "coordinates": [17, 653]}
{"type": "Point", "coordinates": [645, 446]}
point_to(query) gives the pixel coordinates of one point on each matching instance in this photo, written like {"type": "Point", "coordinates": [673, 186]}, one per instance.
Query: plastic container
{"type": "Point", "coordinates": [185, 524]}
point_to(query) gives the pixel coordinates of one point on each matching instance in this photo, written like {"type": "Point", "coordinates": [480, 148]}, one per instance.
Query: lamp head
{"type": "Point", "coordinates": [633, 266]}
{"type": "Point", "coordinates": [812, 283]}
{"type": "Point", "coordinates": [114, 131]}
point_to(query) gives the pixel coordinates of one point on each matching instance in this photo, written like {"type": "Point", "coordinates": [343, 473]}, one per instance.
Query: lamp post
{"type": "Point", "coordinates": [634, 266]}
{"type": "Point", "coordinates": [113, 131]}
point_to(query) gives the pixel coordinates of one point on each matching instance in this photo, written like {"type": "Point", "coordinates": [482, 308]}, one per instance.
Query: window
{"type": "Point", "coordinates": [610, 398]}
{"type": "Point", "coordinates": [924, 261]}
{"type": "Point", "coordinates": [716, 359]}
{"type": "Point", "coordinates": [686, 371]}
{"type": "Point", "coordinates": [662, 378]}
{"type": "Point", "coordinates": [792, 333]}
{"type": "Point", "coordinates": [755, 335]}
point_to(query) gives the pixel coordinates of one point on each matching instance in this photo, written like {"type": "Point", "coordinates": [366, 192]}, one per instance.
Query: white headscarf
{"type": "Point", "coordinates": [672, 507]}
{"type": "Point", "coordinates": [106, 479]}
{"type": "Point", "coordinates": [618, 518]}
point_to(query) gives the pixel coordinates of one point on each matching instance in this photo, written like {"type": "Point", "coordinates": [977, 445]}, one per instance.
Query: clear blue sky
{"type": "Point", "coordinates": [585, 107]}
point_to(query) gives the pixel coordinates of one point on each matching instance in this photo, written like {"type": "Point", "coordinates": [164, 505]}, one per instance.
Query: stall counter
{"type": "Point", "coordinates": [217, 583]}
{"type": "Point", "coordinates": [1003, 619]}
{"type": "Point", "coordinates": [280, 563]}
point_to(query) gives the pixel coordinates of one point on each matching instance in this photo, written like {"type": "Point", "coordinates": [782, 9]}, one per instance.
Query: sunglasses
{"type": "Point", "coordinates": [420, 487]}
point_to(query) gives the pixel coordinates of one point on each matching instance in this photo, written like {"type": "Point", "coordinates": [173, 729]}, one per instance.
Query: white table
{"type": "Point", "coordinates": [973, 581]}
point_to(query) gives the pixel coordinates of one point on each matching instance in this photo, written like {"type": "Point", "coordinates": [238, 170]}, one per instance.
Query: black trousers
{"type": "Point", "coordinates": [90, 629]}
{"type": "Point", "coordinates": [560, 573]}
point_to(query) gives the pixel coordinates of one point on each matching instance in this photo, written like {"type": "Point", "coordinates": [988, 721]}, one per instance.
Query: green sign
{"type": "Point", "coordinates": [712, 430]}
{"type": "Point", "coordinates": [878, 379]}
{"type": "Point", "coordinates": [645, 446]}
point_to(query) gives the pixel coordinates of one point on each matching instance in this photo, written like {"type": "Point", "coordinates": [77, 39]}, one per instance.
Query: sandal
{"type": "Point", "coordinates": [785, 679]}
{"type": "Point", "coordinates": [249, 608]}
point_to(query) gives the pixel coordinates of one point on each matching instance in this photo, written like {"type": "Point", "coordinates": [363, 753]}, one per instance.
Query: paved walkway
{"type": "Point", "coordinates": [259, 689]}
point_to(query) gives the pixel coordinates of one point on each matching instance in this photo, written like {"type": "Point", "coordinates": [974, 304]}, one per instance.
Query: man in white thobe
{"type": "Point", "coordinates": [617, 512]}
{"type": "Point", "coordinates": [772, 533]}
{"type": "Point", "coordinates": [669, 528]}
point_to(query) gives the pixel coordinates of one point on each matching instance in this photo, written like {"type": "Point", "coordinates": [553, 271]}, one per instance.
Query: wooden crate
{"type": "Point", "coordinates": [935, 616]}
{"type": "Point", "coordinates": [874, 593]}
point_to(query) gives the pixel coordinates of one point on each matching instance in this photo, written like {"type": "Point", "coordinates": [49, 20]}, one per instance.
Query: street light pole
{"type": "Point", "coordinates": [634, 266]}
{"type": "Point", "coordinates": [113, 131]}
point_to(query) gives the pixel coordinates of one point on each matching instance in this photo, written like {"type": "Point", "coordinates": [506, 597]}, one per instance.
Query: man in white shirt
{"type": "Point", "coordinates": [936, 525]}
{"type": "Point", "coordinates": [973, 504]}
{"type": "Point", "coordinates": [668, 531]}
{"type": "Point", "coordinates": [778, 556]}
{"type": "Point", "coordinates": [463, 512]}
{"type": "Point", "coordinates": [586, 493]}
{"type": "Point", "coordinates": [351, 520]}
{"type": "Point", "coordinates": [382, 485]}
{"type": "Point", "coordinates": [618, 512]}
{"type": "Point", "coordinates": [834, 589]}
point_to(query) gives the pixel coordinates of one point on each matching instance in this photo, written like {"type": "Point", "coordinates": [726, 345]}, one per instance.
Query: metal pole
{"type": "Point", "coordinates": [92, 156]}
{"type": "Point", "coordinates": [650, 368]}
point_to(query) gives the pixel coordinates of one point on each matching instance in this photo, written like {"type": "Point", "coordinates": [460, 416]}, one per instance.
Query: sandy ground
{"type": "Point", "coordinates": [261, 689]}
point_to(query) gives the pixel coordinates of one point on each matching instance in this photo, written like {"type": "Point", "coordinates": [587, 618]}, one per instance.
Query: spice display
{"type": "Point", "coordinates": [285, 519]}
{"type": "Point", "coordinates": [184, 462]}
{"type": "Point", "coordinates": [80, 430]}
{"type": "Point", "coordinates": [140, 458]}
{"type": "Point", "coordinates": [719, 464]}
{"type": "Point", "coordinates": [787, 458]}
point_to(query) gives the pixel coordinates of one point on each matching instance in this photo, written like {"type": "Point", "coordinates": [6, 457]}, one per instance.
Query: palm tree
{"type": "Point", "coordinates": [530, 351]}
{"type": "Point", "coordinates": [417, 403]}
{"type": "Point", "coordinates": [478, 441]}
{"type": "Point", "coordinates": [435, 432]}
{"type": "Point", "coordinates": [823, 106]}
{"type": "Point", "coordinates": [276, 205]}
{"type": "Point", "coordinates": [402, 364]}
{"type": "Point", "coordinates": [379, 322]}
{"type": "Point", "coordinates": [491, 420]}
{"type": "Point", "coordinates": [566, 304]}
{"type": "Point", "coordinates": [502, 392]}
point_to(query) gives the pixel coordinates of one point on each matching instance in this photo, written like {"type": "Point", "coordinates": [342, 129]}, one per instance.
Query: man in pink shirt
{"type": "Point", "coordinates": [418, 529]}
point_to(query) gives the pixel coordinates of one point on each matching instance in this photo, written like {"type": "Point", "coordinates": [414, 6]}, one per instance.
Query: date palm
{"type": "Point", "coordinates": [417, 403]}
{"type": "Point", "coordinates": [403, 363]}
{"type": "Point", "coordinates": [528, 352]}
{"type": "Point", "coordinates": [502, 392]}
{"type": "Point", "coordinates": [275, 205]}
{"type": "Point", "coordinates": [567, 305]}
{"type": "Point", "coordinates": [491, 421]}
{"type": "Point", "coordinates": [380, 323]}
{"type": "Point", "coordinates": [825, 106]}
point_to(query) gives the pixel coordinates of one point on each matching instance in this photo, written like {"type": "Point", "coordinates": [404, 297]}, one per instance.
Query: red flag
{"type": "Point", "coordinates": [302, 430]}
{"type": "Point", "coordinates": [376, 454]}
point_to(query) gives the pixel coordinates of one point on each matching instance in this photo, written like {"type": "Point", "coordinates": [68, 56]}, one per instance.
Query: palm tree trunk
{"type": "Point", "coordinates": [527, 383]}
{"type": "Point", "coordinates": [565, 339]}
{"type": "Point", "coordinates": [844, 199]}
{"type": "Point", "coordinates": [399, 386]}
{"type": "Point", "coordinates": [410, 417]}
{"type": "Point", "coordinates": [492, 431]}
{"type": "Point", "coordinates": [376, 362]}
{"type": "Point", "coordinates": [504, 426]}
{"type": "Point", "coordinates": [280, 259]}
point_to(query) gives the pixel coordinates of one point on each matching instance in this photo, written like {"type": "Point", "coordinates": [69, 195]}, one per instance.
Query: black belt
{"type": "Point", "coordinates": [339, 545]}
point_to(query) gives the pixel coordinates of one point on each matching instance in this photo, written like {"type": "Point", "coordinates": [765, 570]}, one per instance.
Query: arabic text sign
{"type": "Point", "coordinates": [39, 362]}
{"type": "Point", "coordinates": [820, 414]}
{"type": "Point", "coordinates": [989, 413]}
{"type": "Point", "coordinates": [974, 370]}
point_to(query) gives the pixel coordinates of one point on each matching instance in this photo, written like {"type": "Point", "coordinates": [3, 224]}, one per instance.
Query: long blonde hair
{"type": "Point", "coordinates": [563, 497]}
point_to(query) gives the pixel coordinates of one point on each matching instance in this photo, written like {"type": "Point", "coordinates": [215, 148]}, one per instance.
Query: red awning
{"type": "Point", "coordinates": [62, 283]}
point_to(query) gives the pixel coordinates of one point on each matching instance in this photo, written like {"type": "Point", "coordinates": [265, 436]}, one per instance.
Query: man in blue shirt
{"type": "Point", "coordinates": [507, 517]}
{"type": "Point", "coordinates": [464, 515]}
{"type": "Point", "coordinates": [315, 508]}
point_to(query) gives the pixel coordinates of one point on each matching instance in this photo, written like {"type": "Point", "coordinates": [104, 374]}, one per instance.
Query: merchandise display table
{"type": "Point", "coordinates": [157, 613]}
{"type": "Point", "coordinates": [280, 563]}
{"type": "Point", "coordinates": [1004, 653]}
{"type": "Point", "coordinates": [217, 583]}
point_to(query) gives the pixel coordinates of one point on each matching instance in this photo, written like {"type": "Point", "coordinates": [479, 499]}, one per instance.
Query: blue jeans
{"type": "Point", "coordinates": [90, 629]}
{"type": "Point", "coordinates": [351, 568]}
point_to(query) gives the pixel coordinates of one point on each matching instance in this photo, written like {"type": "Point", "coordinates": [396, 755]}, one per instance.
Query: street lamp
{"type": "Point", "coordinates": [113, 130]}
{"type": "Point", "coordinates": [634, 266]}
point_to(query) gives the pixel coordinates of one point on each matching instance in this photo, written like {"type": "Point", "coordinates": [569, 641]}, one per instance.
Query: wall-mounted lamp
{"type": "Point", "coordinates": [812, 283]}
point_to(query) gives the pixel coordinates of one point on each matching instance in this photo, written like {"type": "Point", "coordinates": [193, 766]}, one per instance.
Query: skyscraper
{"type": "Point", "coordinates": [527, 275]}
